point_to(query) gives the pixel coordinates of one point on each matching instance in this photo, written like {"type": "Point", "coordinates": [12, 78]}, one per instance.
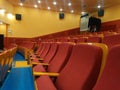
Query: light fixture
{"type": "Point", "coordinates": [61, 9]}
{"type": "Point", "coordinates": [35, 6]}
{"type": "Point", "coordinates": [72, 11]}
{"type": "Point", "coordinates": [2, 11]}
{"type": "Point", "coordinates": [48, 8]}
{"type": "Point", "coordinates": [39, 1]}
{"type": "Point", "coordinates": [99, 6]}
{"type": "Point", "coordinates": [54, 3]}
{"type": "Point", "coordinates": [21, 4]}
{"type": "Point", "coordinates": [69, 4]}
{"type": "Point", "coordinates": [10, 15]}
{"type": "Point", "coordinates": [1, 22]}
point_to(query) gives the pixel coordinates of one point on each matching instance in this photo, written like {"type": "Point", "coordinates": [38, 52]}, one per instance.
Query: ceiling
{"type": "Point", "coordinates": [77, 5]}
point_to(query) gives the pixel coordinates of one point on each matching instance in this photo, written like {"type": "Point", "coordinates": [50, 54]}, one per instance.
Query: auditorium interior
{"type": "Point", "coordinates": [59, 44]}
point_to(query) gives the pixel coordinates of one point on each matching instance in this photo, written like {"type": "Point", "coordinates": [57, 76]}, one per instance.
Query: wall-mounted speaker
{"type": "Point", "coordinates": [100, 12]}
{"type": "Point", "coordinates": [18, 16]}
{"type": "Point", "coordinates": [61, 15]}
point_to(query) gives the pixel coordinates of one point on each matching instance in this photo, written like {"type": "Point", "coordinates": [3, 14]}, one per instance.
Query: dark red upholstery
{"type": "Point", "coordinates": [47, 48]}
{"type": "Point", "coordinates": [61, 58]}
{"type": "Point", "coordinates": [110, 78]}
{"type": "Point", "coordinates": [97, 39]}
{"type": "Point", "coordinates": [81, 71]}
{"type": "Point", "coordinates": [112, 40]}
{"type": "Point", "coordinates": [45, 83]}
{"type": "Point", "coordinates": [50, 55]}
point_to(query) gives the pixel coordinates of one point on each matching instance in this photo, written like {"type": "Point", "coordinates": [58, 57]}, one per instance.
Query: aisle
{"type": "Point", "coordinates": [20, 77]}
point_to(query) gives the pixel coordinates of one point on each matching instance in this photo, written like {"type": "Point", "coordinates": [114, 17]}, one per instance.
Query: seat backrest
{"type": "Point", "coordinates": [110, 77]}
{"type": "Point", "coordinates": [82, 70]}
{"type": "Point", "coordinates": [51, 53]}
{"type": "Point", "coordinates": [43, 54]}
{"type": "Point", "coordinates": [111, 40]}
{"type": "Point", "coordinates": [96, 39]}
{"type": "Point", "coordinates": [60, 59]}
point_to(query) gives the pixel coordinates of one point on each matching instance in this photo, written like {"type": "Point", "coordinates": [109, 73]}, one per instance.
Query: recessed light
{"type": "Point", "coordinates": [54, 3]}
{"type": "Point", "coordinates": [72, 11]}
{"type": "Point", "coordinates": [1, 22]}
{"type": "Point", "coordinates": [35, 6]}
{"type": "Point", "coordinates": [2, 11]}
{"type": "Point", "coordinates": [99, 6]}
{"type": "Point", "coordinates": [69, 4]}
{"type": "Point", "coordinates": [21, 4]}
{"type": "Point", "coordinates": [61, 9]}
{"type": "Point", "coordinates": [39, 1]}
{"type": "Point", "coordinates": [48, 8]}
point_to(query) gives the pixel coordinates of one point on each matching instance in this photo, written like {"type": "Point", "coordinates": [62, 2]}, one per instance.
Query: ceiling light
{"type": "Point", "coordinates": [48, 8]}
{"type": "Point", "coordinates": [72, 11]}
{"type": "Point", "coordinates": [61, 9]}
{"type": "Point", "coordinates": [99, 6]}
{"type": "Point", "coordinates": [69, 4]}
{"type": "Point", "coordinates": [21, 4]}
{"type": "Point", "coordinates": [35, 6]}
{"type": "Point", "coordinates": [1, 22]}
{"type": "Point", "coordinates": [2, 11]}
{"type": "Point", "coordinates": [10, 15]}
{"type": "Point", "coordinates": [39, 1]}
{"type": "Point", "coordinates": [54, 3]}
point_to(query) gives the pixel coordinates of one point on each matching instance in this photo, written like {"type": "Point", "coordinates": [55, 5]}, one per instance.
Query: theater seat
{"type": "Point", "coordinates": [110, 78]}
{"type": "Point", "coordinates": [80, 73]}
{"type": "Point", "coordinates": [60, 59]}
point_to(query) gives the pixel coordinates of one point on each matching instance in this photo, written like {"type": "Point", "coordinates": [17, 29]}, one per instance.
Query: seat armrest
{"type": "Point", "coordinates": [45, 73]}
{"type": "Point", "coordinates": [45, 64]}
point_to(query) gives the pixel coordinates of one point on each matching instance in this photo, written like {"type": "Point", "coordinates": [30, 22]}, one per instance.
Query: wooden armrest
{"type": "Point", "coordinates": [40, 59]}
{"type": "Point", "coordinates": [35, 63]}
{"type": "Point", "coordinates": [45, 73]}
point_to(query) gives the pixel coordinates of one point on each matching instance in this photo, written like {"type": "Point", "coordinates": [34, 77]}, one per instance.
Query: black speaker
{"type": "Point", "coordinates": [1, 41]}
{"type": "Point", "coordinates": [100, 12]}
{"type": "Point", "coordinates": [61, 15]}
{"type": "Point", "coordinates": [18, 16]}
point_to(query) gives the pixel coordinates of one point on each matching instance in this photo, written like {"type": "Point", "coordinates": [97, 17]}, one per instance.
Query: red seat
{"type": "Point", "coordinates": [80, 73]}
{"type": "Point", "coordinates": [111, 40]}
{"type": "Point", "coordinates": [60, 59]}
{"type": "Point", "coordinates": [110, 78]}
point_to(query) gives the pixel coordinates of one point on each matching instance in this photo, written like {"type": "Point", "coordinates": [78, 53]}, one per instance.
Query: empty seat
{"type": "Point", "coordinates": [80, 73]}
{"type": "Point", "coordinates": [60, 59]}
{"type": "Point", "coordinates": [50, 55]}
{"type": "Point", "coordinates": [111, 40]}
{"type": "Point", "coordinates": [110, 77]}
{"type": "Point", "coordinates": [97, 39]}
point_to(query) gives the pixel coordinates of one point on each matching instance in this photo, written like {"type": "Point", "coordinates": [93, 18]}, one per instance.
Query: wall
{"type": "Point", "coordinates": [36, 22]}
{"type": "Point", "coordinates": [110, 14]}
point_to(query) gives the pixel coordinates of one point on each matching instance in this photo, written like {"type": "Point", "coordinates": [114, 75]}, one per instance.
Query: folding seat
{"type": "Point", "coordinates": [81, 39]}
{"type": "Point", "coordinates": [40, 51]}
{"type": "Point", "coordinates": [60, 59]}
{"type": "Point", "coordinates": [80, 72]}
{"type": "Point", "coordinates": [2, 59]}
{"type": "Point", "coordinates": [5, 66]}
{"type": "Point", "coordinates": [47, 47]}
{"type": "Point", "coordinates": [110, 77]}
{"type": "Point", "coordinates": [50, 55]}
{"type": "Point", "coordinates": [111, 40]}
{"type": "Point", "coordinates": [96, 39]}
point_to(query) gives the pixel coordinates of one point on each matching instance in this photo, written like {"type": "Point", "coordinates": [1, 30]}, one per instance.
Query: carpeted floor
{"type": "Point", "coordinates": [18, 57]}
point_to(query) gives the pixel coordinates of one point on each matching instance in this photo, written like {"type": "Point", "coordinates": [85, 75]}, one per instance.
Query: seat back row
{"type": "Point", "coordinates": [80, 71]}
{"type": "Point", "coordinates": [6, 59]}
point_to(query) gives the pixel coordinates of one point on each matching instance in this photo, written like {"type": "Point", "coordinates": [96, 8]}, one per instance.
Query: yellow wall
{"type": "Point", "coordinates": [110, 14]}
{"type": "Point", "coordinates": [3, 29]}
{"type": "Point", "coordinates": [36, 22]}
